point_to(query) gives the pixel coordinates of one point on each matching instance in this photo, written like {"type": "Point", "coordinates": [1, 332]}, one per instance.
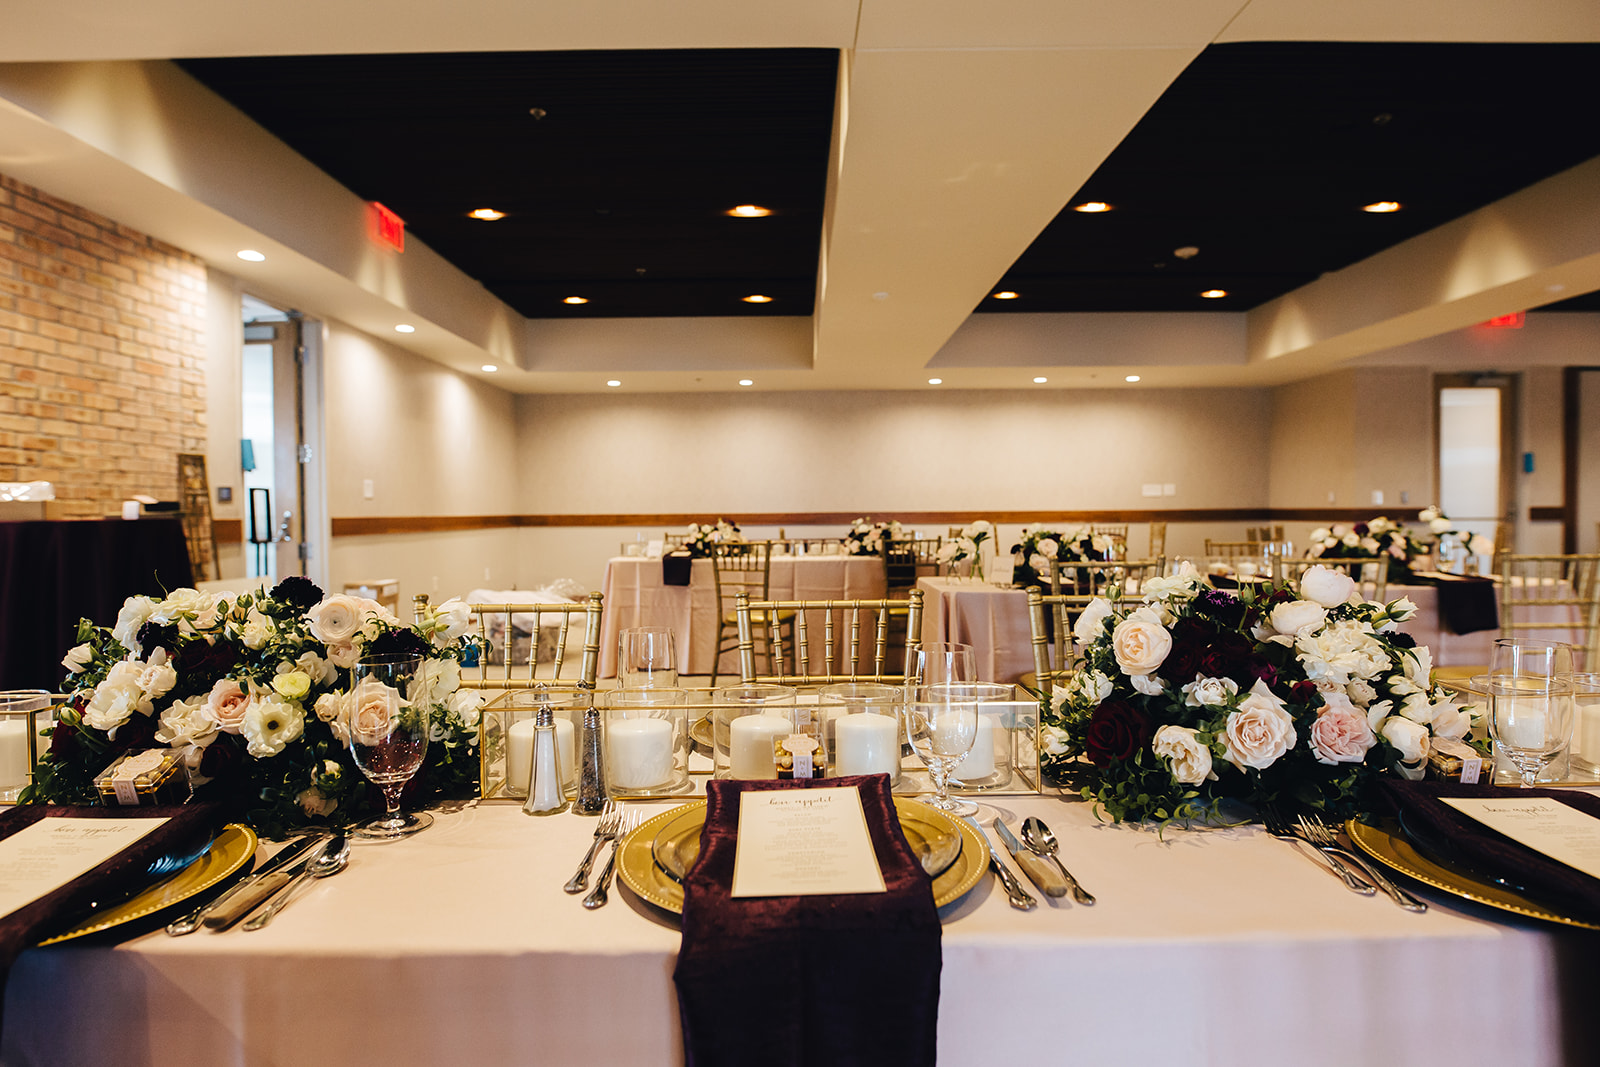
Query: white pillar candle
{"type": "Point", "coordinates": [519, 753]}
{"type": "Point", "coordinates": [1523, 725]}
{"type": "Point", "coordinates": [750, 739]}
{"type": "Point", "coordinates": [866, 744]}
{"type": "Point", "coordinates": [980, 761]}
{"type": "Point", "coordinates": [14, 766]}
{"type": "Point", "coordinates": [1586, 734]}
{"type": "Point", "coordinates": [639, 752]}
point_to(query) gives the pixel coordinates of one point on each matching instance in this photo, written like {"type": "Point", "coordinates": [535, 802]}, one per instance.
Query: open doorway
{"type": "Point", "coordinates": [1476, 451]}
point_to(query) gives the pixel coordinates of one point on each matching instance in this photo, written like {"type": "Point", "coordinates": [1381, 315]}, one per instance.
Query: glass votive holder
{"type": "Point", "coordinates": [988, 765]}
{"type": "Point", "coordinates": [517, 713]}
{"type": "Point", "coordinates": [23, 713]}
{"type": "Point", "coordinates": [1586, 720]}
{"type": "Point", "coordinates": [646, 742]}
{"type": "Point", "coordinates": [862, 728]}
{"type": "Point", "coordinates": [746, 720]}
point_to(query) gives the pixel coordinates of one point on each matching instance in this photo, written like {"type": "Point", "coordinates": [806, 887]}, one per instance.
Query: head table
{"type": "Point", "coordinates": [459, 946]}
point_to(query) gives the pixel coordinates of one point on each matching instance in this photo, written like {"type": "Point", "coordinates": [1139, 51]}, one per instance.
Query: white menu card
{"type": "Point", "coordinates": [41, 858]}
{"type": "Point", "coordinates": [803, 842]}
{"type": "Point", "coordinates": [1558, 830]}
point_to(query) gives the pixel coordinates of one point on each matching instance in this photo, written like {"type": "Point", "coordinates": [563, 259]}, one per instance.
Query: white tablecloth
{"type": "Point", "coordinates": [635, 596]}
{"type": "Point", "coordinates": [458, 947]}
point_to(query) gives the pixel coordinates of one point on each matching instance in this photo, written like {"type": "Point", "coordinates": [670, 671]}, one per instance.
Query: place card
{"type": "Point", "coordinates": [1559, 831]}
{"type": "Point", "coordinates": [42, 858]}
{"type": "Point", "coordinates": [804, 842]}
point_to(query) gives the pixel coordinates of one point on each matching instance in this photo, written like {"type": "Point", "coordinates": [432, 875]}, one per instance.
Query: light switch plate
{"type": "Point", "coordinates": [1169, 489]}
{"type": "Point", "coordinates": [1151, 489]}
{"type": "Point", "coordinates": [1377, 497]}
{"type": "Point", "coordinates": [367, 489]}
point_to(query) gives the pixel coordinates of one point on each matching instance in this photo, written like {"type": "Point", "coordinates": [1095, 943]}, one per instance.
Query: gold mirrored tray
{"type": "Point", "coordinates": [638, 869]}
{"type": "Point", "coordinates": [700, 734]}
{"type": "Point", "coordinates": [232, 849]}
{"type": "Point", "coordinates": [1385, 842]}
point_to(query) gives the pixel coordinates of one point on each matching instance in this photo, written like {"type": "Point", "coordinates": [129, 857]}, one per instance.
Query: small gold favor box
{"type": "Point", "coordinates": [1447, 759]}
{"type": "Point", "coordinates": [153, 776]}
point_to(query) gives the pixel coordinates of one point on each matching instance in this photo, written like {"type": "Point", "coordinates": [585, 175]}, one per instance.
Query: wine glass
{"type": "Point", "coordinates": [1530, 719]}
{"type": "Point", "coordinates": [1529, 657]}
{"type": "Point", "coordinates": [647, 658]}
{"type": "Point", "coordinates": [939, 663]}
{"type": "Point", "coordinates": [942, 721]}
{"type": "Point", "coordinates": [389, 737]}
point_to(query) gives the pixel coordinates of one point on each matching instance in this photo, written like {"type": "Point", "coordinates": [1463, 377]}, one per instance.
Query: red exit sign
{"type": "Point", "coordinates": [387, 227]}
{"type": "Point", "coordinates": [1512, 321]}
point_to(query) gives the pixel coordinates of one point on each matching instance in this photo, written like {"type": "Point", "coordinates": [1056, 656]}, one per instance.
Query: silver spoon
{"type": "Point", "coordinates": [1037, 836]}
{"type": "Point", "coordinates": [335, 858]}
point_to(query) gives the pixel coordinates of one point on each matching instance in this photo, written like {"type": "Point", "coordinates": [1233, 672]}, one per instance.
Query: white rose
{"type": "Point", "coordinates": [270, 723]}
{"type": "Point", "coordinates": [1327, 587]}
{"type": "Point", "coordinates": [343, 654]}
{"type": "Point", "coordinates": [1088, 626]}
{"type": "Point", "coordinates": [189, 608]}
{"type": "Point", "coordinates": [1048, 547]}
{"type": "Point", "coordinates": [1053, 740]}
{"type": "Point", "coordinates": [1148, 684]}
{"type": "Point", "coordinates": [1140, 643]}
{"type": "Point", "coordinates": [1091, 687]}
{"type": "Point", "coordinates": [257, 630]}
{"type": "Point", "coordinates": [1206, 692]}
{"type": "Point", "coordinates": [1039, 563]}
{"type": "Point", "coordinates": [185, 722]}
{"type": "Point", "coordinates": [319, 670]}
{"type": "Point", "coordinates": [1449, 721]}
{"type": "Point", "coordinates": [433, 682]}
{"type": "Point", "coordinates": [1409, 738]}
{"type": "Point", "coordinates": [1440, 526]}
{"type": "Point", "coordinates": [1419, 665]}
{"type": "Point", "coordinates": [1191, 761]}
{"type": "Point", "coordinates": [313, 803]}
{"type": "Point", "coordinates": [1481, 545]}
{"type": "Point", "coordinates": [1298, 617]}
{"type": "Point", "coordinates": [450, 621]}
{"type": "Point", "coordinates": [1259, 732]}
{"type": "Point", "coordinates": [77, 658]}
{"type": "Point", "coordinates": [226, 704]}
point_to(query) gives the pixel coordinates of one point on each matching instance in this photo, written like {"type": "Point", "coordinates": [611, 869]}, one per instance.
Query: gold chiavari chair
{"type": "Point", "coordinates": [740, 567]}
{"type": "Point", "coordinates": [1118, 532]}
{"type": "Point", "coordinates": [500, 665]}
{"type": "Point", "coordinates": [1052, 640]}
{"type": "Point", "coordinates": [1158, 540]}
{"type": "Point", "coordinates": [1370, 572]}
{"type": "Point", "coordinates": [906, 560]}
{"type": "Point", "coordinates": [1534, 589]}
{"type": "Point", "coordinates": [1264, 533]}
{"type": "Point", "coordinates": [854, 636]}
{"type": "Point", "coordinates": [1232, 549]}
{"type": "Point", "coordinates": [1072, 586]}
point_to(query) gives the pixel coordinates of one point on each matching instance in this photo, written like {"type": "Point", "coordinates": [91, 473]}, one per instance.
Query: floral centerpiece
{"type": "Point", "coordinates": [254, 689]}
{"type": "Point", "coordinates": [1376, 537]}
{"type": "Point", "coordinates": [866, 538]}
{"type": "Point", "coordinates": [1038, 547]}
{"type": "Point", "coordinates": [1447, 537]}
{"type": "Point", "coordinates": [967, 545]}
{"type": "Point", "coordinates": [702, 535]}
{"type": "Point", "coordinates": [1293, 698]}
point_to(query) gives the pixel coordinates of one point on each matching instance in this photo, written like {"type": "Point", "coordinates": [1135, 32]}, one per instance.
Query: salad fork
{"type": "Point", "coordinates": [610, 819]}
{"type": "Point", "coordinates": [1326, 837]}
{"type": "Point", "coordinates": [1279, 827]}
{"type": "Point", "coordinates": [597, 897]}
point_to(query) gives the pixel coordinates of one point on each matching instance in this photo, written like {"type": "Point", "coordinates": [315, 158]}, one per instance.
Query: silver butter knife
{"type": "Point", "coordinates": [1019, 897]}
{"type": "Point", "coordinates": [1040, 873]}
{"type": "Point", "coordinates": [291, 852]}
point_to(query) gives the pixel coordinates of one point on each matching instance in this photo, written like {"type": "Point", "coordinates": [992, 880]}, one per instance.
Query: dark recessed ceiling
{"type": "Point", "coordinates": [1261, 156]}
{"type": "Point", "coordinates": [616, 194]}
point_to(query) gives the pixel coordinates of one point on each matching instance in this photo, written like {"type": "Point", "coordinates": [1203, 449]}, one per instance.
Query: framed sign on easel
{"type": "Point", "coordinates": [194, 495]}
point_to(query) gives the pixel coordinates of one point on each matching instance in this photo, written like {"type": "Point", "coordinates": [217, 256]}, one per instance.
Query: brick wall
{"type": "Point", "coordinates": [102, 338]}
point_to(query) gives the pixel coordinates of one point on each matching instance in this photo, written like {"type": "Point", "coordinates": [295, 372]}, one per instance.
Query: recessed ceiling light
{"type": "Point", "coordinates": [405, 327]}
{"type": "Point", "coordinates": [250, 255]}
{"type": "Point", "coordinates": [1381, 207]}
{"type": "Point", "coordinates": [746, 381]}
{"type": "Point", "coordinates": [486, 214]}
{"type": "Point", "coordinates": [489, 368]}
{"type": "Point", "coordinates": [575, 300]}
{"type": "Point", "coordinates": [935, 381]}
{"type": "Point", "coordinates": [1186, 252]}
{"type": "Point", "coordinates": [749, 211]}
{"type": "Point", "coordinates": [1214, 294]}
{"type": "Point", "coordinates": [613, 383]}
{"type": "Point", "coordinates": [1005, 294]}
{"type": "Point", "coordinates": [1131, 378]}
{"type": "Point", "coordinates": [1040, 381]}
{"type": "Point", "coordinates": [756, 298]}
{"type": "Point", "coordinates": [1092, 207]}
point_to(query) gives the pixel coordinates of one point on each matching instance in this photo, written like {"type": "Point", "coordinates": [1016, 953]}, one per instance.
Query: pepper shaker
{"type": "Point", "coordinates": [592, 769]}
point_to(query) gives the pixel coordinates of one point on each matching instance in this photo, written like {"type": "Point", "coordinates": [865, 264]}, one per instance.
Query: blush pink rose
{"type": "Point", "coordinates": [1341, 734]}
{"type": "Point", "coordinates": [1140, 643]}
{"type": "Point", "coordinates": [374, 711]}
{"type": "Point", "coordinates": [226, 705]}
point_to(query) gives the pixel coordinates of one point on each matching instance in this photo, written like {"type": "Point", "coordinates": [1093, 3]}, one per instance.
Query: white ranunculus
{"type": "Point", "coordinates": [338, 618]}
{"type": "Point", "coordinates": [1140, 643]}
{"type": "Point", "coordinates": [1259, 732]}
{"type": "Point", "coordinates": [270, 723]}
{"type": "Point", "coordinates": [136, 611]}
{"type": "Point", "coordinates": [1206, 692]}
{"type": "Point", "coordinates": [1326, 586]}
{"type": "Point", "coordinates": [319, 670]}
{"type": "Point", "coordinates": [1409, 738]}
{"type": "Point", "coordinates": [185, 722]}
{"type": "Point", "coordinates": [1089, 624]}
{"type": "Point", "coordinates": [116, 699]}
{"type": "Point", "coordinates": [1298, 617]}
{"type": "Point", "coordinates": [1191, 761]}
{"type": "Point", "coordinates": [77, 658]}
{"type": "Point", "coordinates": [1053, 740]}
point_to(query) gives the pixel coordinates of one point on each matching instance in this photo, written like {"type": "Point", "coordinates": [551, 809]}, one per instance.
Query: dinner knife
{"type": "Point", "coordinates": [244, 897]}
{"type": "Point", "coordinates": [1040, 873]}
{"type": "Point", "coordinates": [1019, 897]}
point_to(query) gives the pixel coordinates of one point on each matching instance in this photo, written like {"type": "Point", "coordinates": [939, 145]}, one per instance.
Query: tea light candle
{"type": "Point", "coordinates": [980, 760]}
{"type": "Point", "coordinates": [866, 744]}
{"type": "Point", "coordinates": [750, 739]}
{"type": "Point", "coordinates": [519, 753]}
{"type": "Point", "coordinates": [639, 752]}
{"type": "Point", "coordinates": [14, 766]}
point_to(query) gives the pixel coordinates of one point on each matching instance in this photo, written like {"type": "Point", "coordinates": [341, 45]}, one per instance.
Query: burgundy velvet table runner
{"type": "Point", "coordinates": [829, 981]}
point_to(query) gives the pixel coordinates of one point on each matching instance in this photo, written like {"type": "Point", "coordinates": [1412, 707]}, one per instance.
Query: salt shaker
{"type": "Point", "coordinates": [545, 794]}
{"type": "Point", "coordinates": [591, 769]}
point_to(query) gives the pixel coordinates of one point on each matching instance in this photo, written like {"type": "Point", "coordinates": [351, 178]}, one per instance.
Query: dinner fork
{"type": "Point", "coordinates": [1279, 827]}
{"type": "Point", "coordinates": [597, 897]}
{"type": "Point", "coordinates": [610, 819]}
{"type": "Point", "coordinates": [1326, 837]}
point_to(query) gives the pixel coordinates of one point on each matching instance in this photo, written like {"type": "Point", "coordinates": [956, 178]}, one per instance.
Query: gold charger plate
{"type": "Point", "coordinates": [700, 734]}
{"type": "Point", "coordinates": [231, 850]}
{"type": "Point", "coordinates": [1385, 843]}
{"type": "Point", "coordinates": [638, 870]}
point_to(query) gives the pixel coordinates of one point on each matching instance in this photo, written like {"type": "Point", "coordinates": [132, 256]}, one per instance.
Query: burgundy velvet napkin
{"type": "Point", "coordinates": [127, 872]}
{"type": "Point", "coordinates": [1466, 602]}
{"type": "Point", "coordinates": [1445, 834]}
{"type": "Point", "coordinates": [829, 981]}
{"type": "Point", "coordinates": [676, 568]}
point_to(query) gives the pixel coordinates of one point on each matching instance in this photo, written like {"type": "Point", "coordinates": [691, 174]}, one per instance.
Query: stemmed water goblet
{"type": "Point", "coordinates": [1530, 702]}
{"type": "Point", "coordinates": [942, 721]}
{"type": "Point", "coordinates": [388, 726]}
{"type": "Point", "coordinates": [939, 663]}
{"type": "Point", "coordinates": [647, 658]}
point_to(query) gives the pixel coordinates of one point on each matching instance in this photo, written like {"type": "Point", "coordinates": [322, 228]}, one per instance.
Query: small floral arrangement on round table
{"type": "Point", "coordinates": [968, 544]}
{"type": "Point", "coordinates": [253, 690]}
{"type": "Point", "coordinates": [1379, 536]}
{"type": "Point", "coordinates": [703, 535]}
{"type": "Point", "coordinates": [1288, 698]}
{"type": "Point", "coordinates": [866, 538]}
{"type": "Point", "coordinates": [1038, 547]}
